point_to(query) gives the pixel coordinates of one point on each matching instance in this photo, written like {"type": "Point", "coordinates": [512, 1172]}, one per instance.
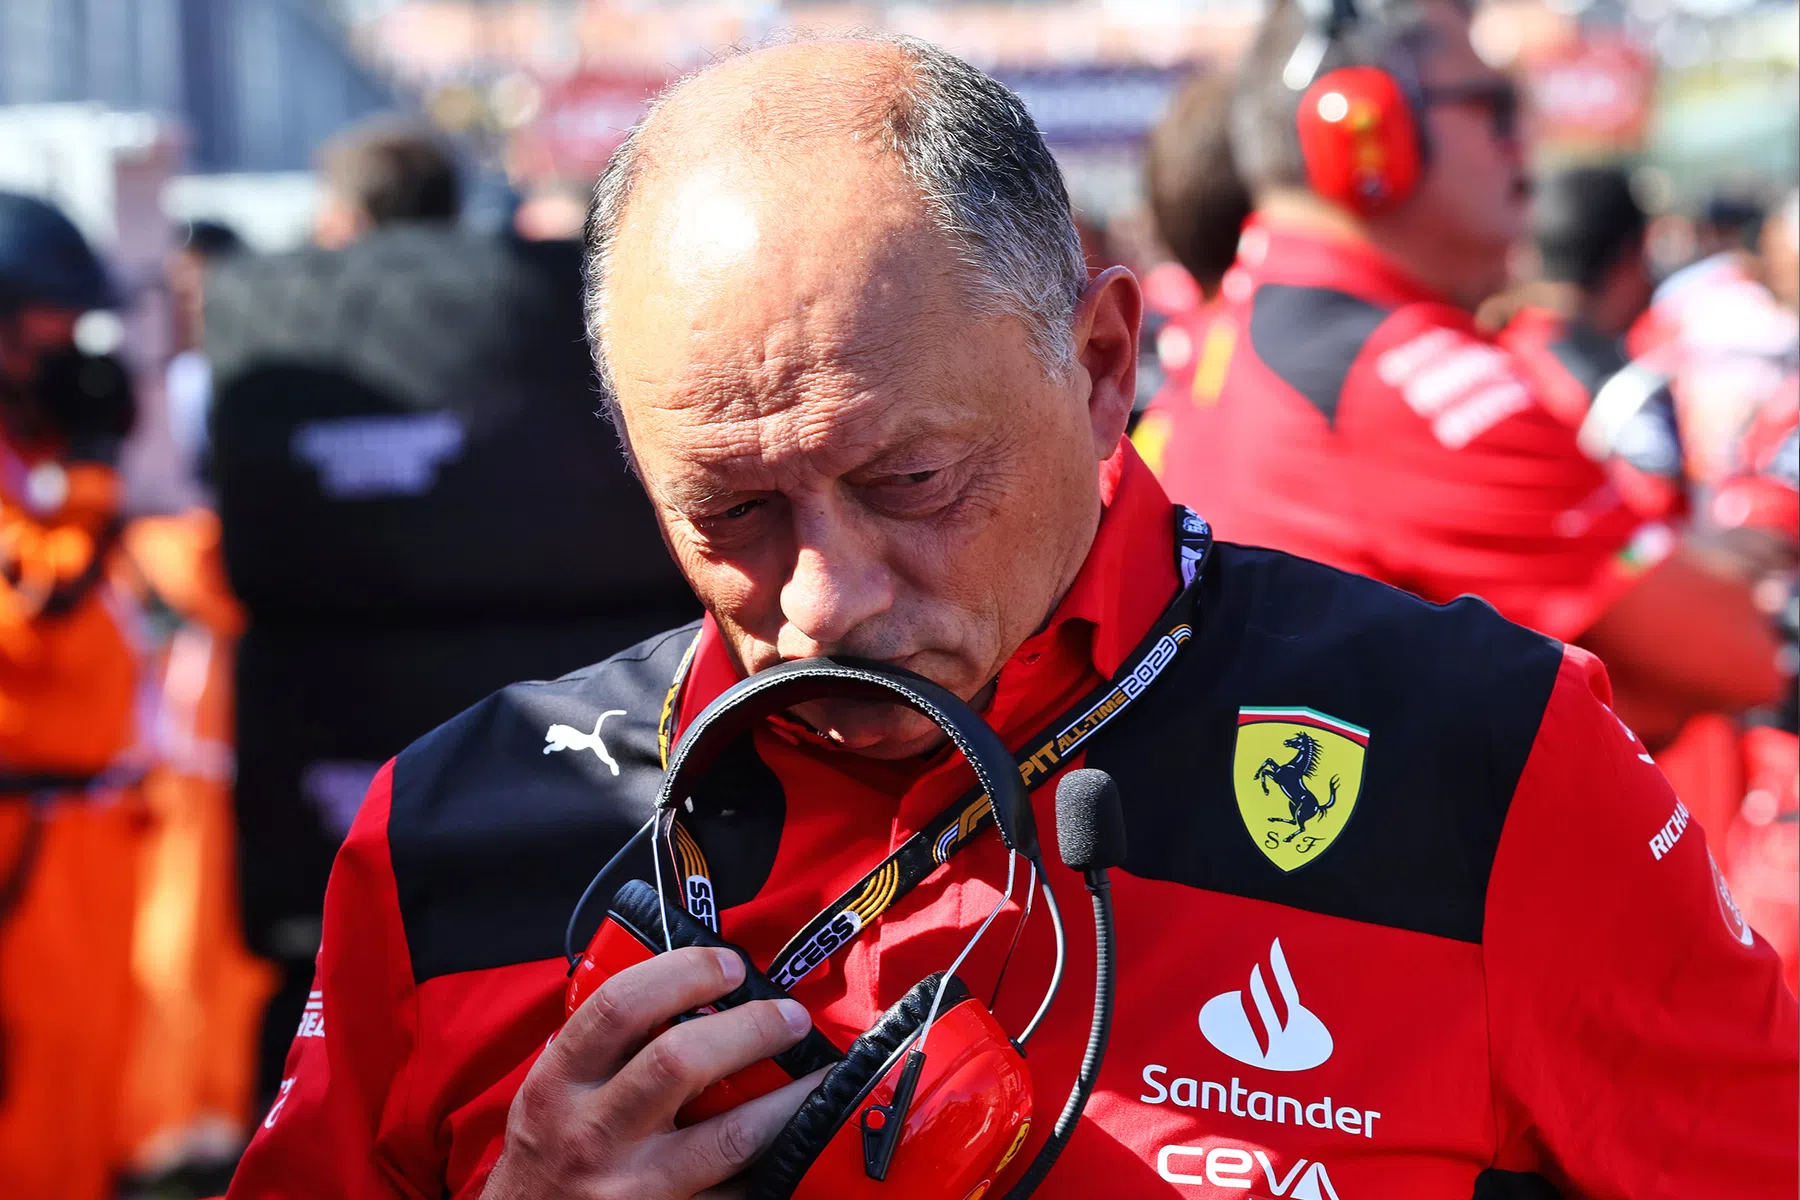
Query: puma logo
{"type": "Point", "coordinates": [567, 737]}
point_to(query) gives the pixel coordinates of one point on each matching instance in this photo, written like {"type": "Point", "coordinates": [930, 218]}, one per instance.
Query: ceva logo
{"type": "Point", "coordinates": [1229, 1167]}
{"type": "Point", "coordinates": [1291, 1039]}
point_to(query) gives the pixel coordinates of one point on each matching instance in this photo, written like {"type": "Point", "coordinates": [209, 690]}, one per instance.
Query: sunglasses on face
{"type": "Point", "coordinates": [1498, 96]}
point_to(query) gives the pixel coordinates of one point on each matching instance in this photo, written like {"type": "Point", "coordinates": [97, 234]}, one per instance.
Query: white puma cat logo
{"type": "Point", "coordinates": [567, 737]}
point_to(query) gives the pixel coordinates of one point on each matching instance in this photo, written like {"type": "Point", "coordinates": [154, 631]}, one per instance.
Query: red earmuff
{"type": "Point", "coordinates": [1359, 138]}
{"type": "Point", "coordinates": [964, 1109]}
{"type": "Point", "coordinates": [935, 1099]}
{"type": "Point", "coordinates": [965, 1115]}
{"type": "Point", "coordinates": [615, 947]}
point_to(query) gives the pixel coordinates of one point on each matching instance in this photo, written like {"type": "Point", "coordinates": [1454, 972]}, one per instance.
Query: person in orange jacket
{"type": "Point", "coordinates": [188, 1083]}
{"type": "Point", "coordinates": [69, 816]}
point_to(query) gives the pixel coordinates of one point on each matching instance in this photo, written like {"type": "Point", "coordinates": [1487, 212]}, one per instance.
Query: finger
{"type": "Point", "coordinates": [723, 1146]}
{"type": "Point", "coordinates": [611, 1024]}
{"type": "Point", "coordinates": [677, 1065]}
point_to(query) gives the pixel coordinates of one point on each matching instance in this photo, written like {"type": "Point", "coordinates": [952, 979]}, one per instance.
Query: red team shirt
{"type": "Point", "coordinates": [1505, 964]}
{"type": "Point", "coordinates": [1338, 410]}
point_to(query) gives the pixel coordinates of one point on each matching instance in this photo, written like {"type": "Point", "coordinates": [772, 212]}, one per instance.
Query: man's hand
{"type": "Point", "coordinates": [595, 1118]}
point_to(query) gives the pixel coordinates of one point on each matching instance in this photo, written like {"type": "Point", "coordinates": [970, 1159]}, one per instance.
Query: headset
{"type": "Point", "coordinates": [1361, 131]}
{"type": "Point", "coordinates": [934, 1100]}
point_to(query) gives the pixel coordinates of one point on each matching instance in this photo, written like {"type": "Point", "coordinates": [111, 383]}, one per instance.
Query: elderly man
{"type": "Point", "coordinates": [839, 310]}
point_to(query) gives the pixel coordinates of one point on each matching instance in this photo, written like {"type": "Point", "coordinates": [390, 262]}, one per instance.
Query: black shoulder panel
{"type": "Point", "coordinates": [1591, 358]}
{"type": "Point", "coordinates": [495, 830]}
{"type": "Point", "coordinates": [1451, 696]}
{"type": "Point", "coordinates": [1309, 336]}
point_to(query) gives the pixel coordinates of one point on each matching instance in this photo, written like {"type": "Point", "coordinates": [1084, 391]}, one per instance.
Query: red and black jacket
{"type": "Point", "coordinates": [1502, 967]}
{"type": "Point", "coordinates": [1338, 409]}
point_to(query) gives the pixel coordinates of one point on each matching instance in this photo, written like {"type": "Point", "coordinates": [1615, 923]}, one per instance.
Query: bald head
{"type": "Point", "coordinates": [820, 127]}
{"type": "Point", "coordinates": [781, 96]}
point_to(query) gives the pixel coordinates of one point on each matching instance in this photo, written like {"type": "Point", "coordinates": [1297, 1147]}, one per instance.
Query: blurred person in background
{"type": "Point", "coordinates": [1728, 340]}
{"type": "Point", "coordinates": [70, 809]}
{"type": "Point", "coordinates": [1781, 252]}
{"type": "Point", "coordinates": [188, 1082]}
{"type": "Point", "coordinates": [1589, 233]}
{"type": "Point", "coordinates": [203, 244]}
{"type": "Point", "coordinates": [1757, 500]}
{"type": "Point", "coordinates": [381, 178]}
{"type": "Point", "coordinates": [1730, 223]}
{"type": "Point", "coordinates": [1568, 329]}
{"type": "Point", "coordinates": [382, 172]}
{"type": "Point", "coordinates": [1199, 202]}
{"type": "Point", "coordinates": [1200, 205]}
{"type": "Point", "coordinates": [1364, 421]}
{"type": "Point", "coordinates": [418, 503]}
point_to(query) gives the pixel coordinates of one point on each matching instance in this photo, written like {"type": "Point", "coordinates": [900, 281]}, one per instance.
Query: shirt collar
{"type": "Point", "coordinates": [1286, 252]}
{"type": "Point", "coordinates": [1127, 580]}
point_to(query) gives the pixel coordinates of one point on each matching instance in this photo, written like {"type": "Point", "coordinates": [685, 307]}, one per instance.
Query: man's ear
{"type": "Point", "coordinates": [1106, 347]}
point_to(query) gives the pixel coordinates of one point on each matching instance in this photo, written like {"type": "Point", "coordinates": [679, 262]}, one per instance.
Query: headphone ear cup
{"type": "Point", "coordinates": [830, 1105]}
{"type": "Point", "coordinates": [1360, 139]}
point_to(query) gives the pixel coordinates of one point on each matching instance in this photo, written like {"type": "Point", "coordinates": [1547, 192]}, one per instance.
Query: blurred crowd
{"type": "Point", "coordinates": [410, 501]}
{"type": "Point", "coordinates": [408, 504]}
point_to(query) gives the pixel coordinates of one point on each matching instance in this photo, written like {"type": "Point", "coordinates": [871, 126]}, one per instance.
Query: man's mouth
{"type": "Point", "coordinates": [900, 662]}
{"type": "Point", "coordinates": [855, 724]}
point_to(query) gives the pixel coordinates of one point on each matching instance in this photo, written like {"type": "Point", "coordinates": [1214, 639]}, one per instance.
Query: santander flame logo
{"type": "Point", "coordinates": [1259, 1034]}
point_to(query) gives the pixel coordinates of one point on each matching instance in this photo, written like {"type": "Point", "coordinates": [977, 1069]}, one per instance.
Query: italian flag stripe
{"type": "Point", "coordinates": [1304, 716]}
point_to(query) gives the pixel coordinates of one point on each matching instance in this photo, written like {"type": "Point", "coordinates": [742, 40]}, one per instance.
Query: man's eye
{"type": "Point", "coordinates": [911, 493]}
{"type": "Point", "coordinates": [740, 510]}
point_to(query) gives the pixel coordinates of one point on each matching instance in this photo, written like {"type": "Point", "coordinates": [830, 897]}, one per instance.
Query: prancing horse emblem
{"type": "Point", "coordinates": [567, 737]}
{"type": "Point", "coordinates": [1291, 777]}
{"type": "Point", "coordinates": [1282, 757]}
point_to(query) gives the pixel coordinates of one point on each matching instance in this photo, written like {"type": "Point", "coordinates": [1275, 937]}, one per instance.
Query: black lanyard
{"type": "Point", "coordinates": [841, 921]}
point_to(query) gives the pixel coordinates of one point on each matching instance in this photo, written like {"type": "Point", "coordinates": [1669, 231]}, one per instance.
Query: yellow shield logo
{"type": "Point", "coordinates": [1297, 773]}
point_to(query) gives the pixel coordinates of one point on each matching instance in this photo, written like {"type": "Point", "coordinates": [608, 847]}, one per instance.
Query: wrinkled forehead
{"type": "Point", "coordinates": [816, 391]}
{"type": "Point", "coordinates": [748, 300]}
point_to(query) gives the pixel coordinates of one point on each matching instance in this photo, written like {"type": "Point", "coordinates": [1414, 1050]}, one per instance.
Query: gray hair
{"type": "Point", "coordinates": [980, 163]}
{"type": "Point", "coordinates": [1265, 108]}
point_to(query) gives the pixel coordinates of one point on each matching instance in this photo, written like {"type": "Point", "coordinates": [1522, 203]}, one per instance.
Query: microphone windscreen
{"type": "Point", "coordinates": [1090, 826]}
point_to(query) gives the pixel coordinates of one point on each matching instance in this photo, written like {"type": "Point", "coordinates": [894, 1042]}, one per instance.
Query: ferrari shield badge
{"type": "Point", "coordinates": [1297, 773]}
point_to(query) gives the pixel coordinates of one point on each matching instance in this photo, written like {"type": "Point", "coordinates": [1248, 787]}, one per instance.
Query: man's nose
{"type": "Point", "coordinates": [838, 582]}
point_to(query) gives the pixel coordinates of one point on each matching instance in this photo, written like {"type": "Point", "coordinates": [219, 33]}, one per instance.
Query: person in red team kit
{"type": "Point", "coordinates": [1403, 911]}
{"type": "Point", "coordinates": [1364, 422]}
{"type": "Point", "coordinates": [1200, 205]}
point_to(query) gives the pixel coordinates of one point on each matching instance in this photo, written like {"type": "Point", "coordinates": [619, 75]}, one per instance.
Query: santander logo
{"type": "Point", "coordinates": [1259, 1034]}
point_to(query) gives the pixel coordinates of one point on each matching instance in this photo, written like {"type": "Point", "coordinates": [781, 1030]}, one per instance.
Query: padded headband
{"type": "Point", "coordinates": [744, 705]}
